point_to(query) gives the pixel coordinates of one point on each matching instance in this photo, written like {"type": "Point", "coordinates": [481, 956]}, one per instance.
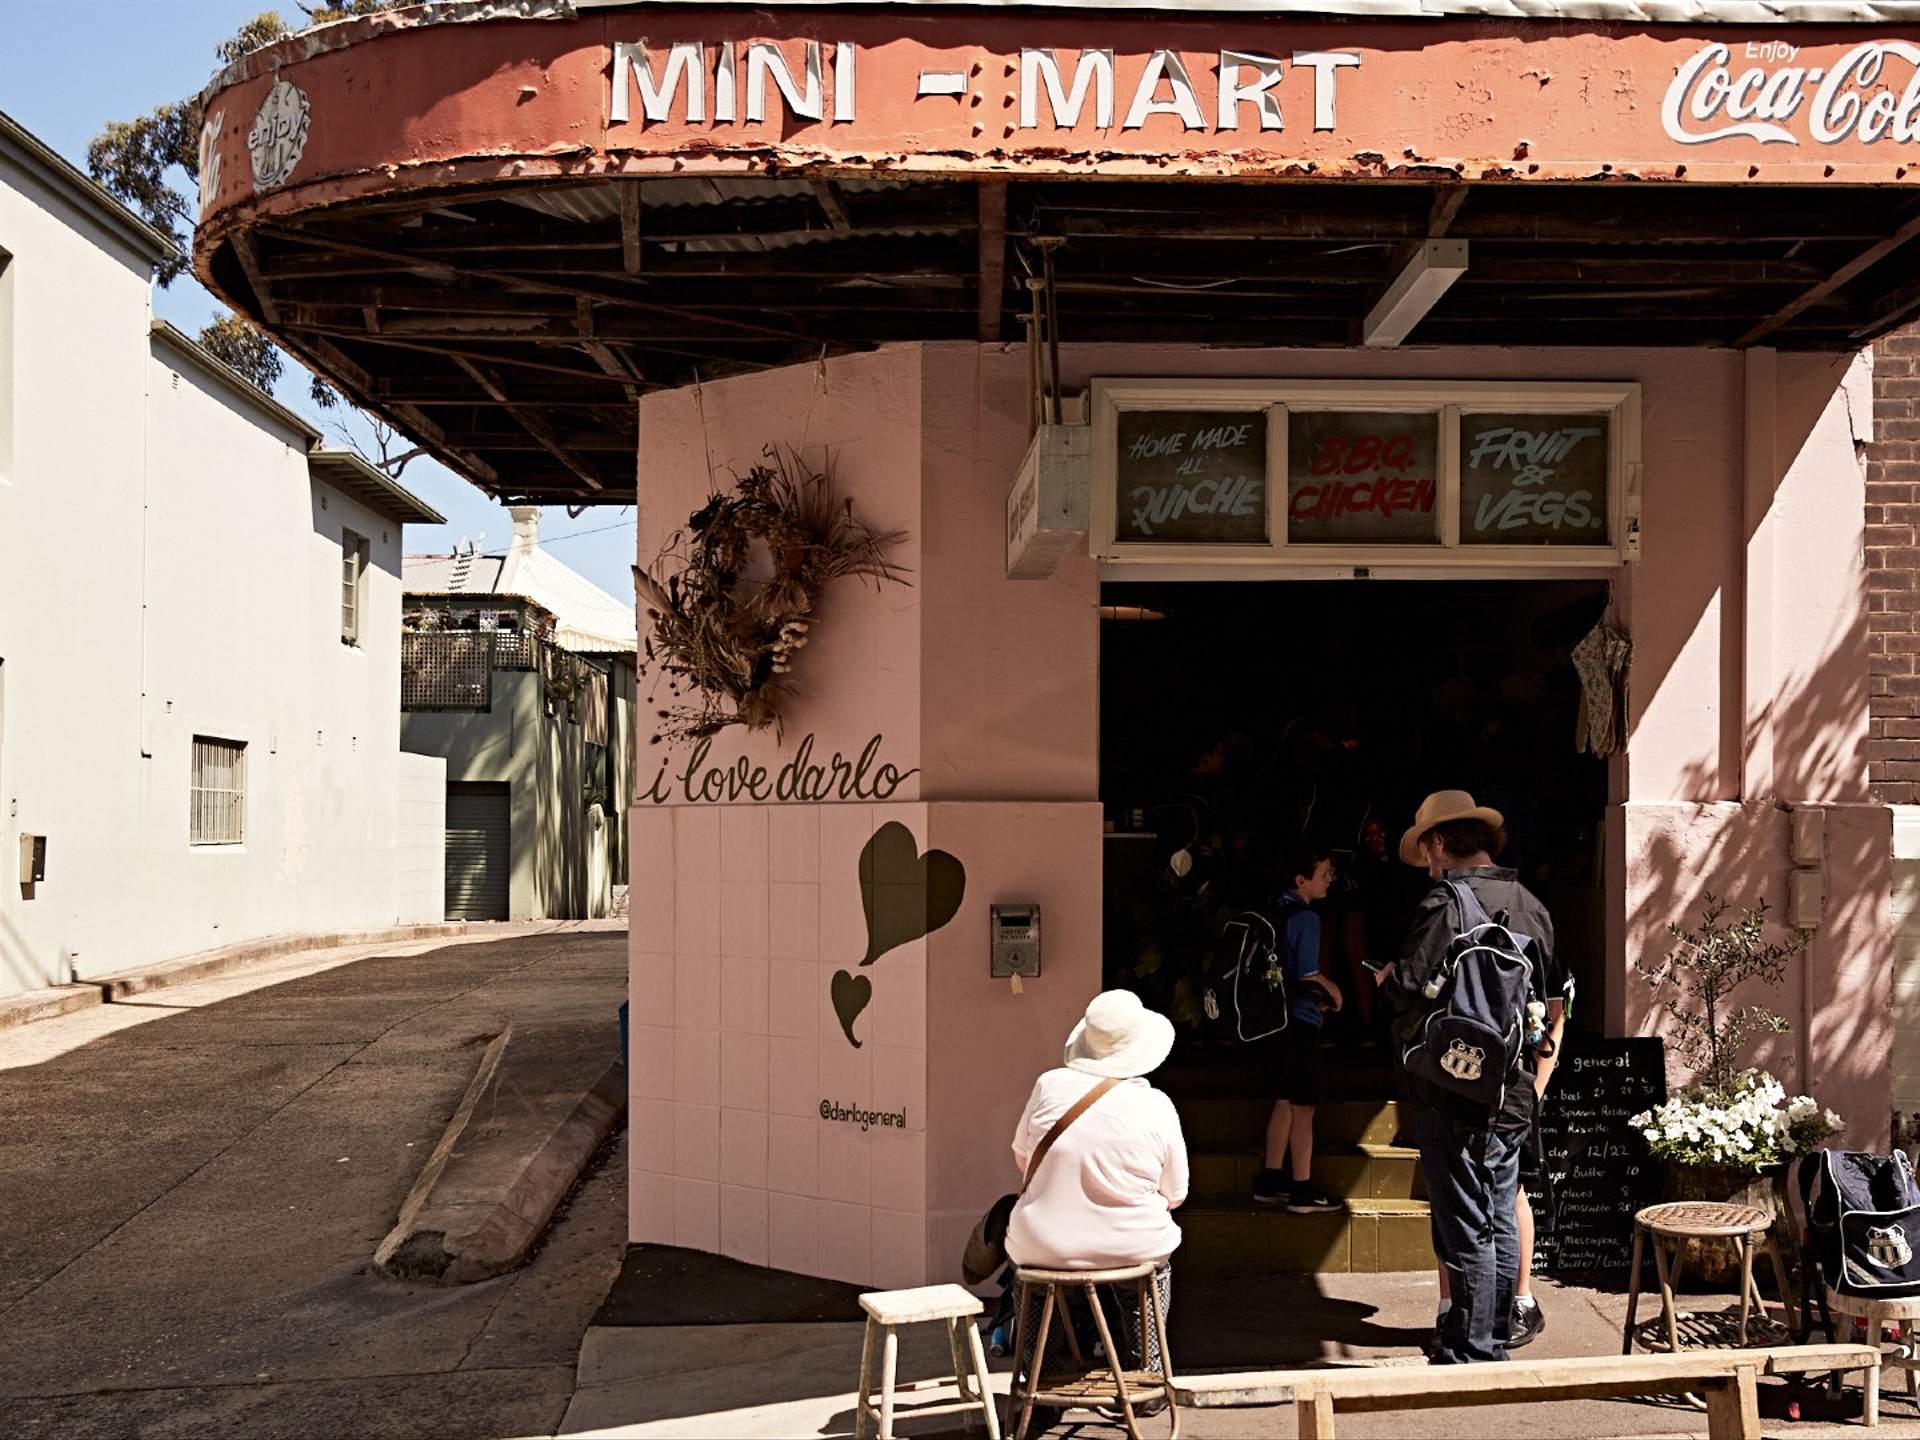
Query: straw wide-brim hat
{"type": "Point", "coordinates": [1119, 1038]}
{"type": "Point", "coordinates": [1442, 808]}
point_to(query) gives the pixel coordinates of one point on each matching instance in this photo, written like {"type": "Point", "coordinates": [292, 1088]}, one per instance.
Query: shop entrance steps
{"type": "Point", "coordinates": [1362, 1154]}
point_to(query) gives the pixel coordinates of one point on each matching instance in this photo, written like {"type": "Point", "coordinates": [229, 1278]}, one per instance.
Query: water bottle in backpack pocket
{"type": "Point", "coordinates": [1862, 1222]}
{"type": "Point", "coordinates": [1469, 1045]}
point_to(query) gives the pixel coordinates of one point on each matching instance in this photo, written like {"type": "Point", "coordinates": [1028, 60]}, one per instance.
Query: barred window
{"type": "Point", "coordinates": [353, 568]}
{"type": "Point", "coordinates": [219, 791]}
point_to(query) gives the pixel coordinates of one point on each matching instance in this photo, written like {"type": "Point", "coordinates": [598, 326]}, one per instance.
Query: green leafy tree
{"type": "Point", "coordinates": [243, 349]}
{"type": "Point", "coordinates": [1696, 981]}
{"type": "Point", "coordinates": [152, 164]}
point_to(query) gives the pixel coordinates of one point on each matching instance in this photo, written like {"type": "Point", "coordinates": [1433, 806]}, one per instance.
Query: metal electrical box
{"type": "Point", "coordinates": [33, 859]}
{"type": "Point", "coordinates": [1015, 939]}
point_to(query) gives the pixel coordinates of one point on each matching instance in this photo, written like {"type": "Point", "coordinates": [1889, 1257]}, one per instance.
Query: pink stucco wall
{"type": "Point", "coordinates": [1747, 695]}
{"type": "Point", "coordinates": [743, 913]}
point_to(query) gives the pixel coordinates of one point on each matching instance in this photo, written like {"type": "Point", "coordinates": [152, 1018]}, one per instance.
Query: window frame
{"type": "Point", "coordinates": [200, 833]}
{"type": "Point", "coordinates": [1447, 399]}
{"type": "Point", "coordinates": [353, 577]}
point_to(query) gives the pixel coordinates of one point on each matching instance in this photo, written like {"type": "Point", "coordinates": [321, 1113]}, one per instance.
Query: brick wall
{"type": "Point", "coordinates": [1893, 569]}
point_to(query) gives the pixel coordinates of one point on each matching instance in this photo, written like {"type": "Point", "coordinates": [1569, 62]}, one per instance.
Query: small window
{"type": "Point", "coordinates": [353, 569]}
{"type": "Point", "coordinates": [219, 791]}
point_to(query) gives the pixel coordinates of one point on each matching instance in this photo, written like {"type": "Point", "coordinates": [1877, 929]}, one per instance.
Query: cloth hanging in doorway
{"type": "Point", "coordinates": [1601, 660]}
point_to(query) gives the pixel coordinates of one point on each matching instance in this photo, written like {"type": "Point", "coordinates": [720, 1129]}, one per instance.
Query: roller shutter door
{"type": "Point", "coordinates": [477, 851]}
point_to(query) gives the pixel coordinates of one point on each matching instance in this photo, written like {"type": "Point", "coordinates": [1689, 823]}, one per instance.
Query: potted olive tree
{"type": "Point", "coordinates": [1730, 1133]}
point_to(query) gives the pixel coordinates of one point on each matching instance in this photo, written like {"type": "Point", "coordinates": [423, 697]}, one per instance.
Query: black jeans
{"type": "Point", "coordinates": [1473, 1175]}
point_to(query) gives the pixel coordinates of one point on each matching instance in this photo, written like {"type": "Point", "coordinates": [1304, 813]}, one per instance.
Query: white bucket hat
{"type": "Point", "coordinates": [1118, 1037]}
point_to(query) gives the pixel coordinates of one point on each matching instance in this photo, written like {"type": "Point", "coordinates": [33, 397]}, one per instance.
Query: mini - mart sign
{"type": "Point", "coordinates": [691, 91]}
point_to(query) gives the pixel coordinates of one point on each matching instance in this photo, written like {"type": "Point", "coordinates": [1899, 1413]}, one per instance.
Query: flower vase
{"type": "Point", "coordinates": [1717, 1262]}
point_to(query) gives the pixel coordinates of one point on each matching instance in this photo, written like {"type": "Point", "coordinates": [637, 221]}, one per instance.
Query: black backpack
{"type": "Point", "coordinates": [1470, 1043]}
{"type": "Point", "coordinates": [1862, 1222]}
{"type": "Point", "coordinates": [1244, 995]}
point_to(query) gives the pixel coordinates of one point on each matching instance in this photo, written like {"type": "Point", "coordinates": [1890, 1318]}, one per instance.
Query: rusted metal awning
{"type": "Point", "coordinates": [497, 227]}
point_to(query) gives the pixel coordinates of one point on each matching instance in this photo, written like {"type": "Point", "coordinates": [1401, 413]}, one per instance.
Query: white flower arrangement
{"type": "Point", "coordinates": [1748, 1124]}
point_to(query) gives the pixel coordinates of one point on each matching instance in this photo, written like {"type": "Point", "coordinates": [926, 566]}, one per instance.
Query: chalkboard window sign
{"type": "Point", "coordinates": [1534, 478]}
{"type": "Point", "coordinates": [1362, 477]}
{"type": "Point", "coordinates": [1598, 1170]}
{"type": "Point", "coordinates": [1188, 477]}
{"type": "Point", "coordinates": [1404, 478]}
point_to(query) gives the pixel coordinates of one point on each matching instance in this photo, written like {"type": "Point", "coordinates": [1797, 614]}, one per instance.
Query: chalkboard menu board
{"type": "Point", "coordinates": [1360, 477]}
{"type": "Point", "coordinates": [1192, 477]}
{"type": "Point", "coordinates": [1597, 1164]}
{"type": "Point", "coordinates": [1533, 479]}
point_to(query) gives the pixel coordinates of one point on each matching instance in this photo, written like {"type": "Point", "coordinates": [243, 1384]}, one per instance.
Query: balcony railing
{"type": "Point", "coordinates": [447, 669]}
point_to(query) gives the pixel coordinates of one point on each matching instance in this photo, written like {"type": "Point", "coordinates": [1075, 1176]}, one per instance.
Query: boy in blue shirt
{"type": "Point", "coordinates": [1293, 1056]}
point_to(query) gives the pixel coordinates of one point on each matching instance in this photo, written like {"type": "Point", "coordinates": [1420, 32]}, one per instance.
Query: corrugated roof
{"type": "Point", "coordinates": [29, 150]}
{"type": "Point", "coordinates": [1658, 12]}
{"type": "Point", "coordinates": [587, 619]}
{"type": "Point", "coordinates": [452, 574]}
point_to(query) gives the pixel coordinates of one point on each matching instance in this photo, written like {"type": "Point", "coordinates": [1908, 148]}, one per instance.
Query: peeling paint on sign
{"type": "Point", "coordinates": [278, 137]}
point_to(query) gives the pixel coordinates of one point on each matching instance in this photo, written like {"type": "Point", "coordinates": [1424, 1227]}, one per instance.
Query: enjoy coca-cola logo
{"type": "Point", "coordinates": [1858, 98]}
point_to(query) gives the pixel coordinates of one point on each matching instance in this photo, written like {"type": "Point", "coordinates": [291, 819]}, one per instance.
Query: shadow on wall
{"type": "Point", "coordinates": [561, 840]}
{"type": "Point", "coordinates": [1837, 995]}
{"type": "Point", "coordinates": [1695, 518]}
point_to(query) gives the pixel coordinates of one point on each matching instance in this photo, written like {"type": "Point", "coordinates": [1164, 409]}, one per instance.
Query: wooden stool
{"type": "Point", "coordinates": [889, 1309]}
{"type": "Point", "coordinates": [1088, 1387]}
{"type": "Point", "coordinates": [1878, 1314]}
{"type": "Point", "coordinates": [1669, 1225]}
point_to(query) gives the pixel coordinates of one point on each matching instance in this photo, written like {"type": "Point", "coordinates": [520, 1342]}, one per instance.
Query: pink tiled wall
{"type": "Point", "coordinates": [751, 910]}
{"type": "Point", "coordinates": [736, 1042]}
{"type": "Point", "coordinates": [741, 913]}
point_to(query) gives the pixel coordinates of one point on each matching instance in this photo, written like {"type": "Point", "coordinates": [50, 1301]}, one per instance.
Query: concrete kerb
{"type": "Point", "coordinates": [206, 963]}
{"type": "Point", "coordinates": [486, 1194]}
{"type": "Point", "coordinates": [32, 1005]}
{"type": "Point", "coordinates": [35, 1005]}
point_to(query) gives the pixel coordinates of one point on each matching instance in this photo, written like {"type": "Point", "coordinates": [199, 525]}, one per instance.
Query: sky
{"type": "Point", "coordinates": [67, 68]}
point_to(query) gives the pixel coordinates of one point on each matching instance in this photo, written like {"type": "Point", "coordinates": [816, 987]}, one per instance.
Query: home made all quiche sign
{"type": "Point", "coordinates": [1192, 476]}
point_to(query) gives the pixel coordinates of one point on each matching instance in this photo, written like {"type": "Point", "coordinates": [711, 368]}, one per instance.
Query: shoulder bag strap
{"type": "Point", "coordinates": [1074, 1112]}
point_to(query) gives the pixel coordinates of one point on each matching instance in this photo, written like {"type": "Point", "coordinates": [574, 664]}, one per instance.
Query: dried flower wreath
{"type": "Point", "coordinates": [745, 576]}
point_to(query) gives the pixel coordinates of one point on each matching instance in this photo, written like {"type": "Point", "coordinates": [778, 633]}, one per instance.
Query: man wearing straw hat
{"type": "Point", "coordinates": [1471, 1158]}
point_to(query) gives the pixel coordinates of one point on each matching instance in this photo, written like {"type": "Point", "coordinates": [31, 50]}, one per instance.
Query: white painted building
{"type": "Point", "coordinates": [199, 628]}
{"type": "Point", "coordinates": [538, 785]}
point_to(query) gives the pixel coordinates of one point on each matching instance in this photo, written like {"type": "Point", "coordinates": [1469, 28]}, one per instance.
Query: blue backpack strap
{"type": "Point", "coordinates": [1472, 913]}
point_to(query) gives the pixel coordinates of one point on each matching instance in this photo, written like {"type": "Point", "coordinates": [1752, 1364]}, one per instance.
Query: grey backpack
{"type": "Point", "coordinates": [1469, 1045]}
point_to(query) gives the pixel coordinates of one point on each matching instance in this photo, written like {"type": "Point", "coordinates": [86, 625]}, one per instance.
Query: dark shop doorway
{"type": "Point", "coordinates": [1237, 716]}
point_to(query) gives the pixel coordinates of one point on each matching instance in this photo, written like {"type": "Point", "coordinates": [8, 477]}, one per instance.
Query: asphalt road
{"type": "Point", "coordinates": [192, 1187]}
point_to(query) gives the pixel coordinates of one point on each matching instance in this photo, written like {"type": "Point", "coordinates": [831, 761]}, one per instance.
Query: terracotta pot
{"type": "Point", "coordinates": [1716, 1263]}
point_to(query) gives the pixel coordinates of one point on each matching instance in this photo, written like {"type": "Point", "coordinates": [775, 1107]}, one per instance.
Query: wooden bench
{"type": "Point", "coordinates": [1728, 1379]}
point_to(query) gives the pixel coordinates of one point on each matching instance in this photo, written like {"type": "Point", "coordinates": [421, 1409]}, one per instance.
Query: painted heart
{"type": "Point", "coordinates": [906, 894]}
{"type": "Point", "coordinates": [850, 996]}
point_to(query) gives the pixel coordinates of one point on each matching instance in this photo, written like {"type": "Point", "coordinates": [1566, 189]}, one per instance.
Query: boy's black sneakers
{"type": "Point", "coordinates": [1271, 1187]}
{"type": "Point", "coordinates": [1308, 1198]}
{"type": "Point", "coordinates": [1527, 1322]}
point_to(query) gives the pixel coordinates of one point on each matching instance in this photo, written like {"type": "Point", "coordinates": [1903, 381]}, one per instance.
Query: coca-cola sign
{"type": "Point", "coordinates": [1871, 93]}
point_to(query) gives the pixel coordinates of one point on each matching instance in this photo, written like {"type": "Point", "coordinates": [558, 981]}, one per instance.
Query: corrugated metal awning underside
{"type": "Point", "coordinates": [512, 330]}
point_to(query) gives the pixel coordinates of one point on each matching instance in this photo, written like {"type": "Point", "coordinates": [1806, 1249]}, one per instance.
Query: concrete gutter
{"type": "Point", "coordinates": [128, 983]}
{"type": "Point", "coordinates": [518, 1142]}
{"type": "Point", "coordinates": [32, 1005]}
